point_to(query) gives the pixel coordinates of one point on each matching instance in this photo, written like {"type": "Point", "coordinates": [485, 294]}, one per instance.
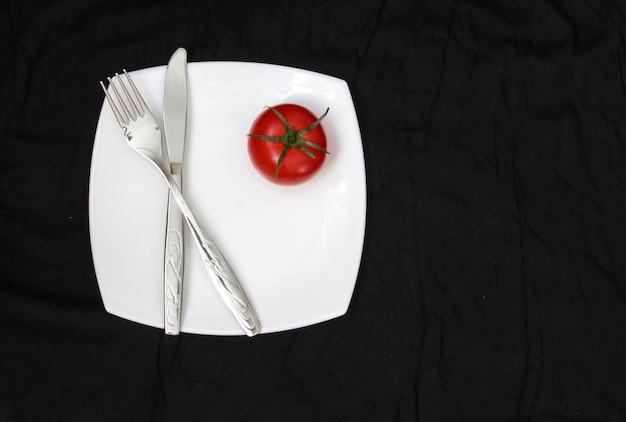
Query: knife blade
{"type": "Point", "coordinates": [174, 124]}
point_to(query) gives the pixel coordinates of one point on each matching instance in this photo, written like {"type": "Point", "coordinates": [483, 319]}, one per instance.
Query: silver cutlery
{"type": "Point", "coordinates": [174, 128]}
{"type": "Point", "coordinates": [144, 136]}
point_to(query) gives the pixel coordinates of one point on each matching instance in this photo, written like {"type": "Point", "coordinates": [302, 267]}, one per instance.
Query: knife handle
{"type": "Point", "coordinates": [220, 272]}
{"type": "Point", "coordinates": [174, 264]}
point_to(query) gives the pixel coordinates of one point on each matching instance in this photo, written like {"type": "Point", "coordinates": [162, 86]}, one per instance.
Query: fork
{"type": "Point", "coordinates": [144, 136]}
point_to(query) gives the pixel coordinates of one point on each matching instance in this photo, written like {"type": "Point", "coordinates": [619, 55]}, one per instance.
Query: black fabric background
{"type": "Point", "coordinates": [493, 279]}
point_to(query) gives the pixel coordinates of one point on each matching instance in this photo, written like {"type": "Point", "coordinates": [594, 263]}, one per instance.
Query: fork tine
{"type": "Point", "coordinates": [143, 105]}
{"type": "Point", "coordinates": [128, 96]}
{"type": "Point", "coordinates": [125, 110]}
{"type": "Point", "coordinates": [116, 112]}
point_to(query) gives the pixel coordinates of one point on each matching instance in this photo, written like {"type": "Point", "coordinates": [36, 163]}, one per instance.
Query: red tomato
{"type": "Point", "coordinates": [287, 144]}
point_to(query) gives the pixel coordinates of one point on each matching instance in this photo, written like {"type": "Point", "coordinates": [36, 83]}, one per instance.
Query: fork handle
{"type": "Point", "coordinates": [220, 272]}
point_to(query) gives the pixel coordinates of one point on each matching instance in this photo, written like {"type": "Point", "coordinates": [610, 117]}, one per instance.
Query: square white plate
{"type": "Point", "coordinates": [296, 249]}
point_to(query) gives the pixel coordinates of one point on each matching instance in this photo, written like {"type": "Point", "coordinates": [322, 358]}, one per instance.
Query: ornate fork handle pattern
{"type": "Point", "coordinates": [229, 288]}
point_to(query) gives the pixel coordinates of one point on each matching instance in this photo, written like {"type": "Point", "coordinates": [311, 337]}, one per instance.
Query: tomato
{"type": "Point", "coordinates": [287, 144]}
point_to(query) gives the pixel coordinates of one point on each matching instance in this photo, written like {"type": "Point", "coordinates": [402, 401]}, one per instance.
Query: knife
{"type": "Point", "coordinates": [174, 124]}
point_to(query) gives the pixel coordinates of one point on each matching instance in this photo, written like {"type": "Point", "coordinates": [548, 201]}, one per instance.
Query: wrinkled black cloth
{"type": "Point", "coordinates": [493, 280]}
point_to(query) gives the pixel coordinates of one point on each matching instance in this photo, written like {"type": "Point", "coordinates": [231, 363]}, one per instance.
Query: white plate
{"type": "Point", "coordinates": [296, 249]}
